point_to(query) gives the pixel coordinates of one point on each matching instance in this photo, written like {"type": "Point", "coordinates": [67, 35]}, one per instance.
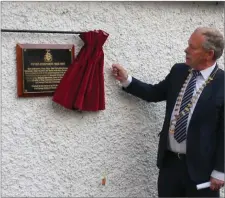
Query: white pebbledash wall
{"type": "Point", "coordinates": [48, 151]}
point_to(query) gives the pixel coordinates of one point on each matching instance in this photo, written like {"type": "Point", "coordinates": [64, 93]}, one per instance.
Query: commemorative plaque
{"type": "Point", "coordinates": [40, 67]}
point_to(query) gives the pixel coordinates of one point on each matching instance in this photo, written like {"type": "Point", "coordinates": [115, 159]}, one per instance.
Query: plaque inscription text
{"type": "Point", "coordinates": [41, 68]}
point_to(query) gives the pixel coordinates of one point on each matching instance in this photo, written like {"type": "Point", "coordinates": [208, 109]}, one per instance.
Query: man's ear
{"type": "Point", "coordinates": [210, 54]}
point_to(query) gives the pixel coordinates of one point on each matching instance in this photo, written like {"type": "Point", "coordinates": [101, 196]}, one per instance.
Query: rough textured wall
{"type": "Point", "coordinates": [50, 151]}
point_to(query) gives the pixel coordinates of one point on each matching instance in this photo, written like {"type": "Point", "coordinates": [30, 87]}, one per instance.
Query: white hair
{"type": "Point", "coordinates": [214, 40]}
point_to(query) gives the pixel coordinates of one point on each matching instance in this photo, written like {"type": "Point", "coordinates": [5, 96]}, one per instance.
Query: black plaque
{"type": "Point", "coordinates": [41, 67]}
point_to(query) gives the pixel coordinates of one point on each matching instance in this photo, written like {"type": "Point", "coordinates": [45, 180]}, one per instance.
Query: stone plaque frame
{"type": "Point", "coordinates": [46, 62]}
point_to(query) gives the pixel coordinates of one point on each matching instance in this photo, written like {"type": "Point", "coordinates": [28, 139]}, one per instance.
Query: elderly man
{"type": "Point", "coordinates": [191, 144]}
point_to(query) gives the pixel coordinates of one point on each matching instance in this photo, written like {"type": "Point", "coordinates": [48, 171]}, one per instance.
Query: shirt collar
{"type": "Point", "coordinates": [206, 72]}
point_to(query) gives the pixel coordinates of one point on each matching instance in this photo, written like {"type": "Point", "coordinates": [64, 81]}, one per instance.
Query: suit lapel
{"type": "Point", "coordinates": [205, 96]}
{"type": "Point", "coordinates": [177, 85]}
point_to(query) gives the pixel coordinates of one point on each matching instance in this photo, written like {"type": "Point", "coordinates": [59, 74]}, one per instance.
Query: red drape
{"type": "Point", "coordinates": [82, 86]}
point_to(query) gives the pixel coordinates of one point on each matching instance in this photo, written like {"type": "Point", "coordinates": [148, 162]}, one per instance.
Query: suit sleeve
{"type": "Point", "coordinates": [219, 165]}
{"type": "Point", "coordinates": [149, 92]}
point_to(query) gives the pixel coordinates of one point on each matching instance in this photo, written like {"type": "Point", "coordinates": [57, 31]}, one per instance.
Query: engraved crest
{"type": "Point", "coordinates": [48, 56]}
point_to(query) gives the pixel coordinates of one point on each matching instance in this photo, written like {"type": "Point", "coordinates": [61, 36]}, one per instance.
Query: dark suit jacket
{"type": "Point", "coordinates": [205, 136]}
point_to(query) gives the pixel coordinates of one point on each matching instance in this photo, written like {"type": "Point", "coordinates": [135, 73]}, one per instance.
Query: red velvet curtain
{"type": "Point", "coordinates": [82, 86]}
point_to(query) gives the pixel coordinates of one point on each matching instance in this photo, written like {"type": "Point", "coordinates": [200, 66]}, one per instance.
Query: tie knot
{"type": "Point", "coordinates": [196, 73]}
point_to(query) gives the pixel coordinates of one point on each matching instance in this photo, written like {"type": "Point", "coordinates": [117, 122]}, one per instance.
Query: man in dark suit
{"type": "Point", "coordinates": [191, 144]}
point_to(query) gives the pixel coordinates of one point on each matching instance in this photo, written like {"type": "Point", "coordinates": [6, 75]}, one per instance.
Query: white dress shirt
{"type": "Point", "coordinates": [173, 145]}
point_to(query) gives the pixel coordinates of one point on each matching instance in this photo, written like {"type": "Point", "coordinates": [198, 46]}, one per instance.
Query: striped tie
{"type": "Point", "coordinates": [181, 125]}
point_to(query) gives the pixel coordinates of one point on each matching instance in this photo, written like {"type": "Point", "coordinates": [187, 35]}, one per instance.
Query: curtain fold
{"type": "Point", "coordinates": [82, 86]}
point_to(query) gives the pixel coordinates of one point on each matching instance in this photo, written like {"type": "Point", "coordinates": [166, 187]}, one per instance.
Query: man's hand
{"type": "Point", "coordinates": [216, 184]}
{"type": "Point", "coordinates": [119, 72]}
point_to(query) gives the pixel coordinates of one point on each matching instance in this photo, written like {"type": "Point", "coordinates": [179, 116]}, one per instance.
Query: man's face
{"type": "Point", "coordinates": [196, 55]}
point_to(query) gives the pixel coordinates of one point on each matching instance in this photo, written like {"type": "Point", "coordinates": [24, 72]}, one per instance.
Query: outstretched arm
{"type": "Point", "coordinates": [148, 92]}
